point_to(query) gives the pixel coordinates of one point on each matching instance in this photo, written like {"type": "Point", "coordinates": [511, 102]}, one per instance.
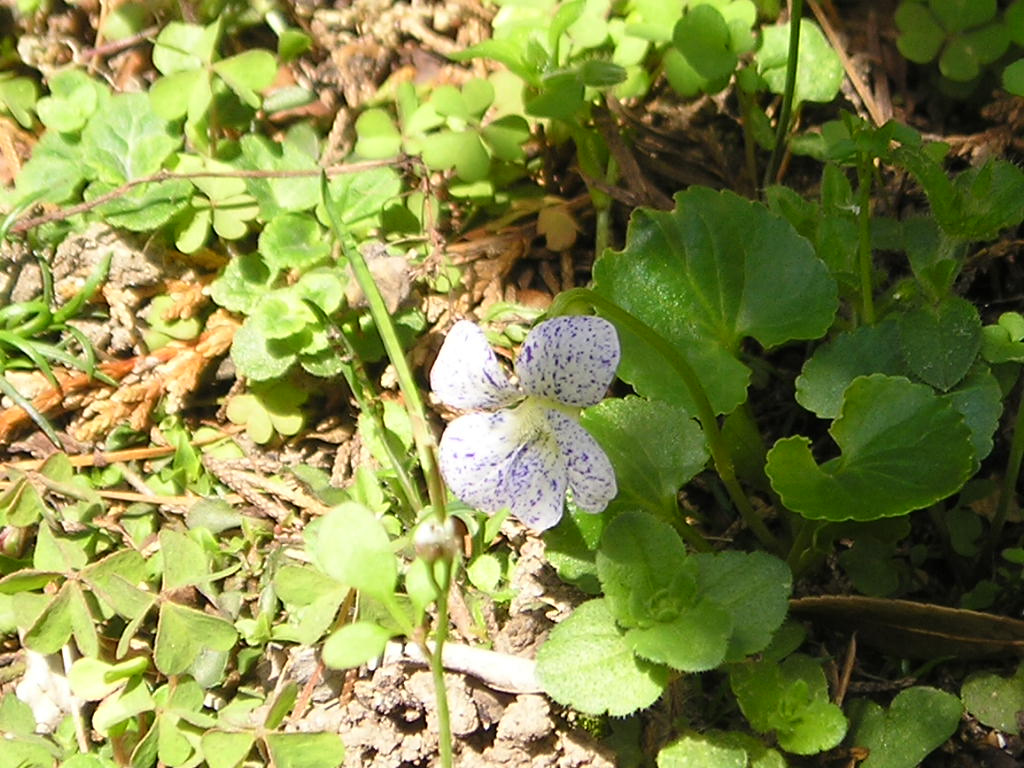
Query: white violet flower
{"type": "Point", "coordinates": [522, 446]}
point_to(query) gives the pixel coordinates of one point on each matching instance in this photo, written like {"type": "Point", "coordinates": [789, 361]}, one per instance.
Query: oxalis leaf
{"type": "Point", "coordinates": [705, 276]}
{"type": "Point", "coordinates": [918, 721]}
{"type": "Point", "coordinates": [903, 448]}
{"type": "Point", "coordinates": [586, 664]}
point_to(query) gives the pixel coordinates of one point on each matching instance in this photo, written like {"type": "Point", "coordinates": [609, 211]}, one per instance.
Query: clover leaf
{"type": "Point", "coordinates": [819, 71]}
{"type": "Point", "coordinates": [74, 97]}
{"type": "Point", "coordinates": [221, 204]}
{"type": "Point", "coordinates": [902, 448]}
{"type": "Point", "coordinates": [703, 276]}
{"type": "Point", "coordinates": [269, 410]}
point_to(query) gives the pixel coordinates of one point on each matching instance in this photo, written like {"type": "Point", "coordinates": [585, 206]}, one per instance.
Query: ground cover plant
{"type": "Point", "coordinates": [549, 382]}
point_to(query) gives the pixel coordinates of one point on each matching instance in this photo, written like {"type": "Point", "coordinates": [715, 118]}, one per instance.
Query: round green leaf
{"type": "Point", "coordinates": [305, 750]}
{"type": "Point", "coordinates": [461, 150]}
{"type": "Point", "coordinates": [754, 588]}
{"type": "Point", "coordinates": [995, 700]}
{"type": "Point", "coordinates": [642, 566]}
{"type": "Point", "coordinates": [255, 358]}
{"type": "Point", "coordinates": [223, 749]}
{"type": "Point", "coordinates": [587, 665]}
{"type": "Point", "coordinates": [705, 276]}
{"type": "Point", "coordinates": [861, 352]}
{"type": "Point", "coordinates": [902, 446]}
{"type": "Point", "coordinates": [940, 343]}
{"type": "Point", "coordinates": [1013, 18]}
{"type": "Point", "coordinates": [819, 71]}
{"type": "Point", "coordinates": [355, 644]}
{"type": "Point", "coordinates": [695, 750]}
{"type": "Point", "coordinates": [684, 79]}
{"type": "Point", "coordinates": [377, 136]}
{"type": "Point", "coordinates": [921, 35]}
{"type": "Point", "coordinates": [351, 546]}
{"type": "Point", "coordinates": [959, 61]}
{"type": "Point", "coordinates": [180, 47]}
{"type": "Point", "coordinates": [505, 137]}
{"type": "Point", "coordinates": [248, 73]}
{"type": "Point", "coordinates": [1013, 77]}
{"type": "Point", "coordinates": [957, 15]}
{"type": "Point", "coordinates": [704, 39]}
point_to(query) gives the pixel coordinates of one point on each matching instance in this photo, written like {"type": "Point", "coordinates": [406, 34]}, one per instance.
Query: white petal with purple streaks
{"type": "Point", "coordinates": [571, 359]}
{"type": "Point", "coordinates": [467, 374]}
{"type": "Point", "coordinates": [475, 454]}
{"type": "Point", "coordinates": [591, 475]}
{"type": "Point", "coordinates": [536, 481]}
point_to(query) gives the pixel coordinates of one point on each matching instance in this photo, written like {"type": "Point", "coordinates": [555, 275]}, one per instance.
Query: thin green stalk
{"type": "Point", "coordinates": [603, 219]}
{"type": "Point", "coordinates": [426, 449]}
{"type": "Point", "coordinates": [796, 10]}
{"type": "Point", "coordinates": [1010, 477]}
{"type": "Point", "coordinates": [867, 298]}
{"type": "Point", "coordinates": [437, 663]}
{"type": "Point", "coordinates": [749, 143]}
{"type": "Point", "coordinates": [705, 413]}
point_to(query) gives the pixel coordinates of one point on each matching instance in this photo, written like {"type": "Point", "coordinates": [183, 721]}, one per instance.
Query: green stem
{"type": "Point", "coordinates": [796, 10]}
{"type": "Point", "coordinates": [362, 391]}
{"type": "Point", "coordinates": [1010, 477]}
{"type": "Point", "coordinates": [705, 412]}
{"type": "Point", "coordinates": [603, 219]}
{"type": "Point", "coordinates": [864, 240]}
{"type": "Point", "coordinates": [426, 449]}
{"type": "Point", "coordinates": [437, 664]}
{"type": "Point", "coordinates": [749, 143]}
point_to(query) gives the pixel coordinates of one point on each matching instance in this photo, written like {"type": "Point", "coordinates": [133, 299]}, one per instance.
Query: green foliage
{"type": "Point", "coordinates": [791, 699]}
{"type": "Point", "coordinates": [705, 282]}
{"type": "Point", "coordinates": [902, 448]}
{"type": "Point", "coordinates": [209, 92]}
{"type": "Point", "coordinates": [664, 607]}
{"type": "Point", "coordinates": [917, 721]}
{"type": "Point", "coordinates": [995, 700]}
{"type": "Point", "coordinates": [966, 36]}
{"type": "Point", "coordinates": [447, 130]}
{"type": "Point", "coordinates": [819, 71]}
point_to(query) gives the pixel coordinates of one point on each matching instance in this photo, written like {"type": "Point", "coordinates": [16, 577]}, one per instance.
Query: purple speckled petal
{"type": "Point", "coordinates": [591, 475]}
{"type": "Point", "coordinates": [536, 482]}
{"type": "Point", "coordinates": [571, 359]}
{"type": "Point", "coordinates": [475, 454]}
{"type": "Point", "coordinates": [506, 459]}
{"type": "Point", "coordinates": [466, 373]}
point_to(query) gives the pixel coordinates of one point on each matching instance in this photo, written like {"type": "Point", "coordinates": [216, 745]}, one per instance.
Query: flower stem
{"type": "Point", "coordinates": [705, 412]}
{"type": "Point", "coordinates": [796, 10]}
{"type": "Point", "coordinates": [864, 240]}
{"type": "Point", "coordinates": [426, 448]}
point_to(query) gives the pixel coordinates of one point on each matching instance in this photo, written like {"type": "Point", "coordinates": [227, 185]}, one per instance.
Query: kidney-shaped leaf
{"type": "Point", "coordinates": [705, 275]}
{"type": "Point", "coordinates": [918, 721]}
{"type": "Point", "coordinates": [903, 448]}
